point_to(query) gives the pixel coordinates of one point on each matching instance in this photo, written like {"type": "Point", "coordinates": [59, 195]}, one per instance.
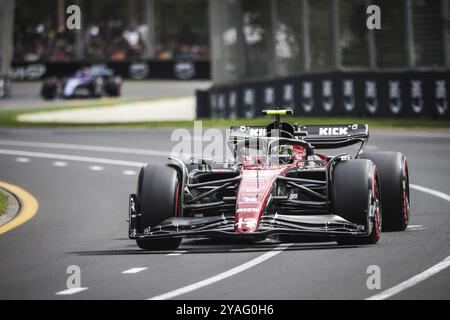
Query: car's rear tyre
{"type": "Point", "coordinates": [356, 198]}
{"type": "Point", "coordinates": [113, 86]}
{"type": "Point", "coordinates": [157, 200]}
{"type": "Point", "coordinates": [49, 89]}
{"type": "Point", "coordinates": [394, 184]}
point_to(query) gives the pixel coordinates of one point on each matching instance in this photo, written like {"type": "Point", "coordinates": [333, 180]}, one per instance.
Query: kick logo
{"type": "Point", "coordinates": [254, 132]}
{"type": "Point", "coordinates": [307, 96]}
{"type": "Point", "coordinates": [269, 95]}
{"type": "Point", "coordinates": [416, 96]}
{"type": "Point", "coordinates": [371, 96]}
{"type": "Point", "coordinates": [288, 93]}
{"type": "Point", "coordinates": [232, 103]}
{"type": "Point", "coordinates": [395, 101]}
{"type": "Point", "coordinates": [213, 105]}
{"type": "Point", "coordinates": [221, 105]}
{"type": "Point", "coordinates": [327, 95]}
{"type": "Point", "coordinates": [441, 96]}
{"type": "Point", "coordinates": [349, 95]}
{"type": "Point", "coordinates": [343, 131]}
{"type": "Point", "coordinates": [288, 96]}
{"type": "Point", "coordinates": [249, 103]}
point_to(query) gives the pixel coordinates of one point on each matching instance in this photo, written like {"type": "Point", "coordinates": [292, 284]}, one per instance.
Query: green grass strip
{"type": "Point", "coordinates": [3, 202]}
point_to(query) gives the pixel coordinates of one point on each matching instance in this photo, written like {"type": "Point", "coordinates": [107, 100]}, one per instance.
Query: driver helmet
{"type": "Point", "coordinates": [298, 153]}
{"type": "Point", "coordinates": [284, 151]}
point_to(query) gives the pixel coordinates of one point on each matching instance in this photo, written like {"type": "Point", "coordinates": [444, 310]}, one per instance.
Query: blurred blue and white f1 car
{"type": "Point", "coordinates": [86, 82]}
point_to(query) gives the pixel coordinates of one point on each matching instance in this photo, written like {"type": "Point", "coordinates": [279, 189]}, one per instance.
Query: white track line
{"type": "Point", "coordinates": [70, 291]}
{"type": "Point", "coordinates": [129, 172]}
{"type": "Point", "coordinates": [22, 160]}
{"type": "Point", "coordinates": [425, 274]}
{"type": "Point", "coordinates": [134, 270]}
{"type": "Point", "coordinates": [415, 227]}
{"type": "Point", "coordinates": [56, 156]}
{"type": "Point", "coordinates": [431, 191]}
{"type": "Point", "coordinates": [96, 168]}
{"type": "Point", "coordinates": [81, 147]}
{"type": "Point", "coordinates": [60, 164]}
{"type": "Point", "coordinates": [223, 275]}
{"type": "Point", "coordinates": [412, 281]}
{"type": "Point", "coordinates": [176, 253]}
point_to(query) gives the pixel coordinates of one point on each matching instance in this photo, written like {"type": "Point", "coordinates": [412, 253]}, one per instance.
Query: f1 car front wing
{"type": "Point", "coordinates": [224, 226]}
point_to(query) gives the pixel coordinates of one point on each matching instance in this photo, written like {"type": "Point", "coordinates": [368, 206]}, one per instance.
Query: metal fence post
{"type": "Point", "coordinates": [6, 35]}
{"type": "Point", "coordinates": [241, 42]}
{"type": "Point", "coordinates": [273, 26]}
{"type": "Point", "coordinates": [446, 32]}
{"type": "Point", "coordinates": [151, 34]}
{"type": "Point", "coordinates": [336, 34]}
{"type": "Point", "coordinates": [306, 39]}
{"type": "Point", "coordinates": [409, 34]}
{"type": "Point", "coordinates": [371, 44]}
{"type": "Point", "coordinates": [79, 34]}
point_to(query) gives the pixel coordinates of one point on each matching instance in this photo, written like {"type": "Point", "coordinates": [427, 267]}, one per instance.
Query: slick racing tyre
{"type": "Point", "coordinates": [49, 89]}
{"type": "Point", "coordinates": [113, 86]}
{"type": "Point", "coordinates": [157, 200]}
{"type": "Point", "coordinates": [394, 181]}
{"type": "Point", "coordinates": [356, 198]}
{"type": "Point", "coordinates": [96, 87]}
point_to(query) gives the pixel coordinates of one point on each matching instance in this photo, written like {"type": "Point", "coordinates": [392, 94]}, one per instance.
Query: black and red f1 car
{"type": "Point", "coordinates": [275, 185]}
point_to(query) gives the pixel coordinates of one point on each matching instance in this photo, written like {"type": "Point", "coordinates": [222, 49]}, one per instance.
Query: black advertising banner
{"type": "Point", "coordinates": [138, 70]}
{"type": "Point", "coordinates": [378, 94]}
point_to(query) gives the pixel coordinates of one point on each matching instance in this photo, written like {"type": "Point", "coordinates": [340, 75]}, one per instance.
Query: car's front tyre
{"type": "Point", "coordinates": [356, 198]}
{"type": "Point", "coordinates": [157, 200]}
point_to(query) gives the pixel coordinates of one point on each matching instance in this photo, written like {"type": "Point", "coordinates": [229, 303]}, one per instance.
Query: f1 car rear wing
{"type": "Point", "coordinates": [316, 136]}
{"type": "Point", "coordinates": [319, 136]}
{"type": "Point", "coordinates": [335, 136]}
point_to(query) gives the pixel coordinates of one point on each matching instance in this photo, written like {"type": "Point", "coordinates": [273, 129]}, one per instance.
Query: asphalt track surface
{"type": "Point", "coordinates": [25, 94]}
{"type": "Point", "coordinates": [83, 207]}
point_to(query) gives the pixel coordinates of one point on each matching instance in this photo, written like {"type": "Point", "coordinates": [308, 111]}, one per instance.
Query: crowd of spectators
{"type": "Point", "coordinates": [43, 45]}
{"type": "Point", "coordinates": [178, 51]}
{"type": "Point", "coordinates": [99, 43]}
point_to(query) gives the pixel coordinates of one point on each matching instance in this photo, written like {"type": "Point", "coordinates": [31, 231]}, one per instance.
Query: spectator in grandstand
{"type": "Point", "coordinates": [118, 48]}
{"type": "Point", "coordinates": [95, 45]}
{"type": "Point", "coordinates": [134, 44]}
